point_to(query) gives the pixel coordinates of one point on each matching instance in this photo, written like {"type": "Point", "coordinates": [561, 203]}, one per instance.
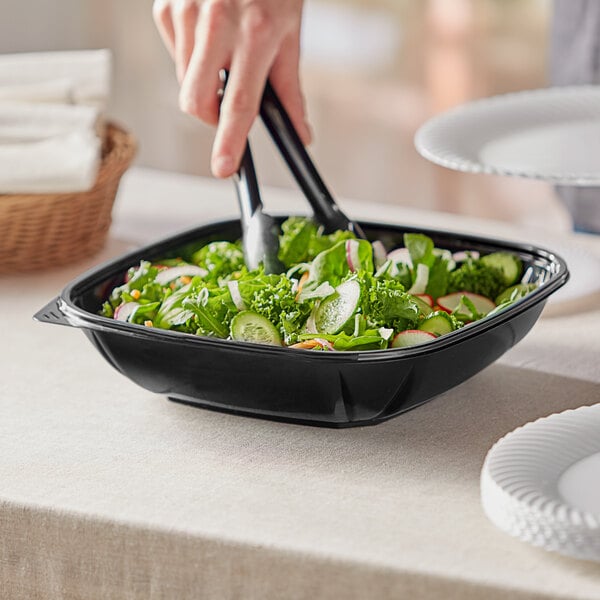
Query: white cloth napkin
{"type": "Point", "coordinates": [48, 148]}
{"type": "Point", "coordinates": [51, 106]}
{"type": "Point", "coordinates": [86, 73]}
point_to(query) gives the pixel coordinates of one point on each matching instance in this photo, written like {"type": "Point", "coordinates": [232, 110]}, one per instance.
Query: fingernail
{"type": "Point", "coordinates": [222, 166]}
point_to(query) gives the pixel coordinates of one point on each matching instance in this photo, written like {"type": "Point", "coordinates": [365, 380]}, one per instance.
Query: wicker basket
{"type": "Point", "coordinates": [39, 231]}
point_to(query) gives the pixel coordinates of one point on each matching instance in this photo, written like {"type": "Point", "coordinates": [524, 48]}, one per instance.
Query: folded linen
{"type": "Point", "coordinates": [86, 71]}
{"type": "Point", "coordinates": [51, 105]}
{"type": "Point", "coordinates": [20, 122]}
{"type": "Point", "coordinates": [52, 91]}
{"type": "Point", "coordinates": [62, 163]}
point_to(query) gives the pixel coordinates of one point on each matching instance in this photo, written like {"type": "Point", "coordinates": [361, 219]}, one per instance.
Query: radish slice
{"type": "Point", "coordinates": [412, 337]}
{"type": "Point", "coordinates": [451, 302]}
{"type": "Point", "coordinates": [352, 257]}
{"type": "Point", "coordinates": [420, 284]}
{"type": "Point", "coordinates": [379, 253]}
{"type": "Point", "coordinates": [426, 298]}
{"type": "Point", "coordinates": [401, 255]}
{"type": "Point", "coordinates": [234, 290]}
{"type": "Point", "coordinates": [124, 311]}
{"type": "Point", "coordinates": [464, 255]}
{"type": "Point", "coordinates": [172, 273]}
{"type": "Point", "coordinates": [325, 343]}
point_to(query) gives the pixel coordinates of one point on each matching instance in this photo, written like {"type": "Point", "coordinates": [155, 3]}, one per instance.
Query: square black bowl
{"type": "Point", "coordinates": [334, 389]}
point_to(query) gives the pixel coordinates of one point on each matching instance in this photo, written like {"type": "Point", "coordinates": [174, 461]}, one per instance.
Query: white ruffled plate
{"type": "Point", "coordinates": [551, 134]}
{"type": "Point", "coordinates": [541, 483]}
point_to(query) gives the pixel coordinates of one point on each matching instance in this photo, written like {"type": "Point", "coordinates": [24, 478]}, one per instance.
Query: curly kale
{"type": "Point", "coordinates": [220, 259]}
{"type": "Point", "coordinates": [474, 276]}
{"type": "Point", "coordinates": [385, 303]}
{"type": "Point", "coordinates": [272, 297]}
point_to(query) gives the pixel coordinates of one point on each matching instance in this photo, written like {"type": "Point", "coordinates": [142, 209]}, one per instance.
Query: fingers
{"type": "Point", "coordinates": [185, 16]}
{"type": "Point", "coordinates": [161, 11]}
{"type": "Point", "coordinates": [254, 40]}
{"type": "Point", "coordinates": [250, 66]}
{"type": "Point", "coordinates": [215, 37]}
{"type": "Point", "coordinates": [285, 79]}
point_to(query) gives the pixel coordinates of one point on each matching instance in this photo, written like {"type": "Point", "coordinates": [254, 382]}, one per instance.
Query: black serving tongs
{"type": "Point", "coordinates": [259, 230]}
{"type": "Point", "coordinates": [260, 239]}
{"type": "Point", "coordinates": [287, 140]}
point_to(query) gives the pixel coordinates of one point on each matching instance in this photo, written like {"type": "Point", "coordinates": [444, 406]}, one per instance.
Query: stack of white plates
{"type": "Point", "coordinates": [541, 483]}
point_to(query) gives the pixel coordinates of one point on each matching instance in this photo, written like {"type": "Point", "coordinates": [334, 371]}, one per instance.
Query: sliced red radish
{"type": "Point", "coordinates": [426, 298]}
{"type": "Point", "coordinates": [401, 255]}
{"type": "Point", "coordinates": [420, 283]}
{"type": "Point", "coordinates": [124, 311]}
{"type": "Point", "coordinates": [379, 253]}
{"type": "Point", "coordinates": [236, 297]}
{"type": "Point", "coordinates": [451, 302]}
{"type": "Point", "coordinates": [324, 343]}
{"type": "Point", "coordinates": [352, 256]}
{"type": "Point", "coordinates": [464, 255]}
{"type": "Point", "coordinates": [412, 337]}
{"type": "Point", "coordinates": [172, 273]}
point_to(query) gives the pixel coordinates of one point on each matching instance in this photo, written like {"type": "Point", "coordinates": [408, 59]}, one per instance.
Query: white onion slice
{"type": "Point", "coordinates": [464, 255]}
{"type": "Point", "coordinates": [172, 273]}
{"type": "Point", "coordinates": [401, 255]}
{"type": "Point", "coordinates": [421, 280]}
{"type": "Point", "coordinates": [311, 326]}
{"type": "Point", "coordinates": [385, 333]}
{"type": "Point", "coordinates": [234, 290]}
{"type": "Point", "coordinates": [321, 291]}
{"type": "Point", "coordinates": [124, 311]}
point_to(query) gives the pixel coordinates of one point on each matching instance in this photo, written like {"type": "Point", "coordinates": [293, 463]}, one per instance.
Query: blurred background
{"type": "Point", "coordinates": [373, 72]}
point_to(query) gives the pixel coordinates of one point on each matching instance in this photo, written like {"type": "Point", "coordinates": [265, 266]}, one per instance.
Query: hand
{"type": "Point", "coordinates": [254, 40]}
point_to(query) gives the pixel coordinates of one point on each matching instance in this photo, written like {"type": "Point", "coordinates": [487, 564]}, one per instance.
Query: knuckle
{"type": "Point", "coordinates": [257, 23]}
{"type": "Point", "coordinates": [197, 106]}
{"type": "Point", "coordinates": [185, 8]}
{"type": "Point", "coordinates": [216, 11]}
{"type": "Point", "coordinates": [161, 11]}
{"type": "Point", "coordinates": [240, 102]}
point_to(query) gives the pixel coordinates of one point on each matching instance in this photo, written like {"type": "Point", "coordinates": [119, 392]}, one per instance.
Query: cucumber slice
{"type": "Point", "coordinates": [335, 311]}
{"type": "Point", "coordinates": [249, 326]}
{"type": "Point", "coordinates": [412, 337]}
{"type": "Point", "coordinates": [439, 323]}
{"type": "Point", "coordinates": [520, 290]}
{"type": "Point", "coordinates": [452, 303]}
{"type": "Point", "coordinates": [508, 264]}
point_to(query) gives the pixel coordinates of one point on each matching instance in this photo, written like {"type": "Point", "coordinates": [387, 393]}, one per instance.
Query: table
{"type": "Point", "coordinates": [110, 491]}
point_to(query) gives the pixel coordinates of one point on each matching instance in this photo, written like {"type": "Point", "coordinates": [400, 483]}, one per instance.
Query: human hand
{"type": "Point", "coordinates": [254, 40]}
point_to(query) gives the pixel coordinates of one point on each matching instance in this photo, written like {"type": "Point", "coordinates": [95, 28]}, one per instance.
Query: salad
{"type": "Point", "coordinates": [339, 293]}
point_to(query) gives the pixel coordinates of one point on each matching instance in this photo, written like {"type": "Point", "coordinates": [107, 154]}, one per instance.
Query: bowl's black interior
{"type": "Point", "coordinates": [337, 389]}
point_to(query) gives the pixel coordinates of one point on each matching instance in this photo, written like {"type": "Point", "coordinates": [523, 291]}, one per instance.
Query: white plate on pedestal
{"type": "Point", "coordinates": [541, 483]}
{"type": "Point", "coordinates": [551, 134]}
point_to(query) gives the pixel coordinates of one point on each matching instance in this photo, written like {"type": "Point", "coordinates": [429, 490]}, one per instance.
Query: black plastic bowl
{"type": "Point", "coordinates": [335, 389]}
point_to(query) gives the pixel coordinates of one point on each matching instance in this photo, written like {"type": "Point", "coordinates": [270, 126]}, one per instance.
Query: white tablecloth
{"type": "Point", "coordinates": [110, 491]}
